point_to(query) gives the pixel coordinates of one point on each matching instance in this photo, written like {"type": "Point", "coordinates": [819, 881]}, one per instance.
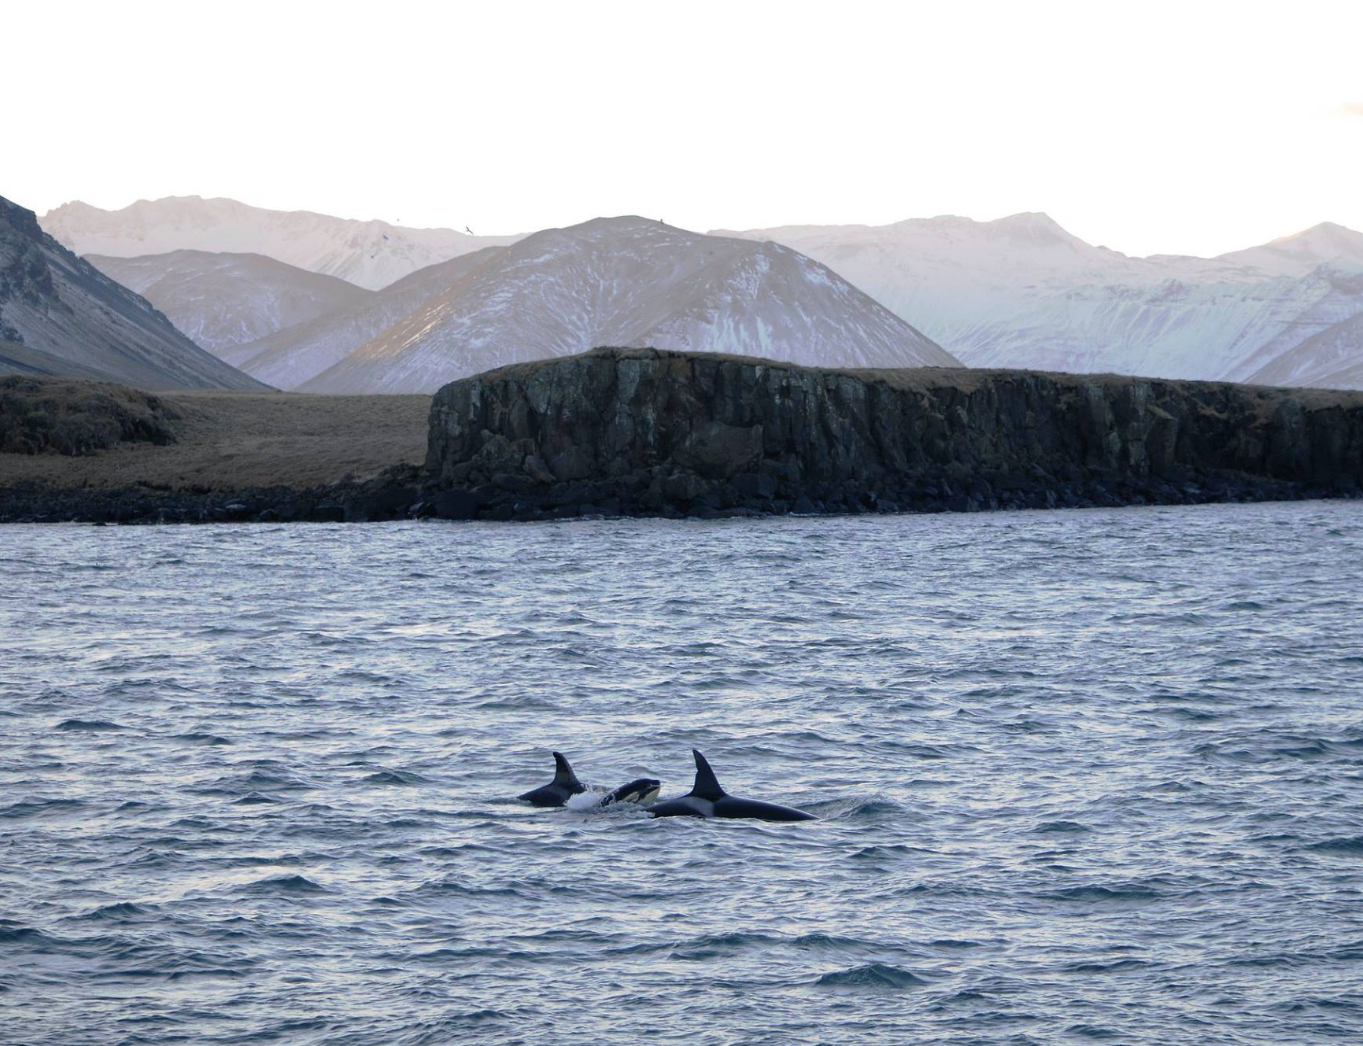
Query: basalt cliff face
{"type": "Point", "coordinates": [644, 432]}
{"type": "Point", "coordinates": [641, 431]}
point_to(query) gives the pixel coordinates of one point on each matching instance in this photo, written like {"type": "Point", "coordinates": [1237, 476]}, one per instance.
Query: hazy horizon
{"type": "Point", "coordinates": [708, 230]}
{"type": "Point", "coordinates": [1238, 128]}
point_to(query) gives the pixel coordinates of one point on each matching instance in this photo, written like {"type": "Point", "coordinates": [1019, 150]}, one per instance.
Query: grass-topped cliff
{"type": "Point", "coordinates": [644, 432]}
{"type": "Point", "coordinates": [639, 430]}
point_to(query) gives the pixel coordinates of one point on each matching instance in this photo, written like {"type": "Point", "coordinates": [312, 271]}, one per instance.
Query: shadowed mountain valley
{"type": "Point", "coordinates": [224, 300]}
{"type": "Point", "coordinates": [59, 315]}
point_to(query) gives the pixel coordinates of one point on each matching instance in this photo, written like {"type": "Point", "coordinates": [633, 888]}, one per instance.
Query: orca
{"type": "Point", "coordinates": [708, 799]}
{"type": "Point", "coordinates": [643, 791]}
{"type": "Point", "coordinates": [557, 791]}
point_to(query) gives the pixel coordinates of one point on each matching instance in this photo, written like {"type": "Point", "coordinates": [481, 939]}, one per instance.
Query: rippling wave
{"type": "Point", "coordinates": [1080, 776]}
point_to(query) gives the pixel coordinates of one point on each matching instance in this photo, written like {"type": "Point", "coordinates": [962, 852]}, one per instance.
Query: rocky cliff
{"type": "Point", "coordinates": [645, 431]}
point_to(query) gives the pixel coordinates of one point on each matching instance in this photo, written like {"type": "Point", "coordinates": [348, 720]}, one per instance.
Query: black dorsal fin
{"type": "Point", "coordinates": [707, 785]}
{"type": "Point", "coordinates": [563, 773]}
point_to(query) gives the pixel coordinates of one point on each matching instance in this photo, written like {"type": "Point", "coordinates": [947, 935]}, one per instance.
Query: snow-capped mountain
{"type": "Point", "coordinates": [1023, 292]}
{"type": "Point", "coordinates": [369, 254]}
{"type": "Point", "coordinates": [632, 282]}
{"type": "Point", "coordinates": [295, 354]}
{"type": "Point", "coordinates": [223, 300]}
{"type": "Point", "coordinates": [59, 315]}
{"type": "Point", "coordinates": [1327, 244]}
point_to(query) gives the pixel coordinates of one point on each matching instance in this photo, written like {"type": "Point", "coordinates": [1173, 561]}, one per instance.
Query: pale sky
{"type": "Point", "coordinates": [1189, 127]}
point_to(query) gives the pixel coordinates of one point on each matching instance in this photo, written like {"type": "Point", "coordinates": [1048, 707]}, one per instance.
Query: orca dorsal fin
{"type": "Point", "coordinates": [563, 774]}
{"type": "Point", "coordinates": [707, 784]}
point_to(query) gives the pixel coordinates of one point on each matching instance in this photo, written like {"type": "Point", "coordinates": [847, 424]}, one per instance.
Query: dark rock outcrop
{"type": "Point", "coordinates": [642, 431]}
{"type": "Point", "coordinates": [77, 417]}
{"type": "Point", "coordinates": [389, 496]}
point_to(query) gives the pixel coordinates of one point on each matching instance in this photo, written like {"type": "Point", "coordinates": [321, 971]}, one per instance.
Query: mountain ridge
{"type": "Point", "coordinates": [294, 355]}
{"type": "Point", "coordinates": [629, 281]}
{"type": "Point", "coordinates": [368, 253]}
{"type": "Point", "coordinates": [1018, 291]}
{"type": "Point", "coordinates": [220, 300]}
{"type": "Point", "coordinates": [72, 320]}
{"type": "Point", "coordinates": [1048, 300]}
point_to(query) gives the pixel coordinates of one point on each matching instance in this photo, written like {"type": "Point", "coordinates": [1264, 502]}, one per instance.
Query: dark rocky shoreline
{"type": "Point", "coordinates": [403, 495]}
{"type": "Point", "coordinates": [1093, 491]}
{"type": "Point", "coordinates": [639, 432]}
{"type": "Point", "coordinates": [388, 497]}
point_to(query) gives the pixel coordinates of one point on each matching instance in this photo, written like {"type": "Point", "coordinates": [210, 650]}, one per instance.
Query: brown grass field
{"type": "Point", "coordinates": [237, 440]}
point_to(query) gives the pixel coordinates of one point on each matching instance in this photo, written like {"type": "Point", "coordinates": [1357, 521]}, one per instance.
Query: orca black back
{"type": "Point", "coordinates": [707, 798]}
{"type": "Point", "coordinates": [564, 786]}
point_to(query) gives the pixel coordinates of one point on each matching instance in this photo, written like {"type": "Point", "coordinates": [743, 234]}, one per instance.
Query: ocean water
{"type": "Point", "coordinates": [1081, 777]}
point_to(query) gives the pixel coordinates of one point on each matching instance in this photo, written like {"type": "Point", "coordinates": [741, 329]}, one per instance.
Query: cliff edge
{"type": "Point", "coordinates": [644, 431]}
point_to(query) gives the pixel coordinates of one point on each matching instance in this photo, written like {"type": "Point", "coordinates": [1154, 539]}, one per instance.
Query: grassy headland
{"type": "Point", "coordinates": [208, 446]}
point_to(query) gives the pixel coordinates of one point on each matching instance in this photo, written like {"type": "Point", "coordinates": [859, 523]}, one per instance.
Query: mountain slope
{"type": "Point", "coordinates": [68, 315]}
{"type": "Point", "coordinates": [1329, 359]}
{"type": "Point", "coordinates": [20, 359]}
{"type": "Point", "coordinates": [1325, 245]}
{"type": "Point", "coordinates": [632, 282]}
{"type": "Point", "coordinates": [296, 354]}
{"type": "Point", "coordinates": [368, 254]}
{"type": "Point", "coordinates": [222, 300]}
{"type": "Point", "coordinates": [1023, 292]}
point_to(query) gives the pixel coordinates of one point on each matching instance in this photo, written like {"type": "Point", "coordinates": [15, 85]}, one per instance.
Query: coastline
{"type": "Point", "coordinates": [639, 432]}
{"type": "Point", "coordinates": [231, 456]}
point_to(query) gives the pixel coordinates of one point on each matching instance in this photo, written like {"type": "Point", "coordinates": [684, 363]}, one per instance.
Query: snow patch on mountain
{"type": "Point", "coordinates": [1022, 292]}
{"type": "Point", "coordinates": [1326, 245]}
{"type": "Point", "coordinates": [299, 353]}
{"type": "Point", "coordinates": [631, 282]}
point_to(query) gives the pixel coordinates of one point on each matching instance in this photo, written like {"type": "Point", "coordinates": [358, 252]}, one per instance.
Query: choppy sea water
{"type": "Point", "coordinates": [1081, 777]}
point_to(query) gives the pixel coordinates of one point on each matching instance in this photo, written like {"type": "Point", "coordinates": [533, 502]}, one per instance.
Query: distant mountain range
{"type": "Point", "coordinates": [369, 254]}
{"type": "Point", "coordinates": [1023, 292]}
{"type": "Point", "coordinates": [629, 282]}
{"type": "Point", "coordinates": [59, 315]}
{"type": "Point", "coordinates": [1017, 292]}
